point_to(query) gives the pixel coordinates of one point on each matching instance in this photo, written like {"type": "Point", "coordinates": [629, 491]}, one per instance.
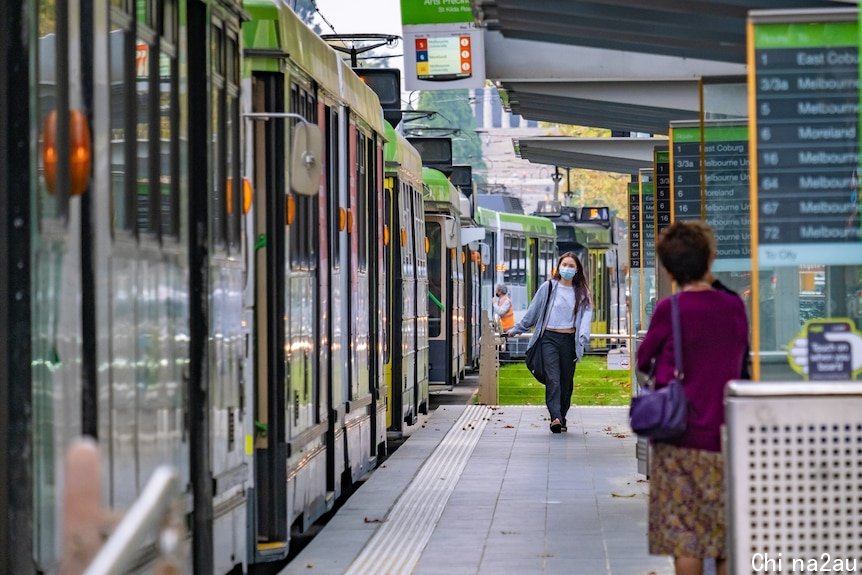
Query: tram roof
{"type": "Point", "coordinates": [440, 189]}
{"type": "Point", "coordinates": [506, 220]}
{"type": "Point", "coordinates": [622, 155]}
{"type": "Point", "coordinates": [275, 32]}
{"type": "Point", "coordinates": [399, 153]}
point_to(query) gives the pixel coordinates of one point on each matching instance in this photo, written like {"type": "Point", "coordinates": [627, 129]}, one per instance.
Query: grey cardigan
{"type": "Point", "coordinates": [536, 311]}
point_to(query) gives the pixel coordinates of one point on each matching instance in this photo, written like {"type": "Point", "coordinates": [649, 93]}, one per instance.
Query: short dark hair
{"type": "Point", "coordinates": [686, 249]}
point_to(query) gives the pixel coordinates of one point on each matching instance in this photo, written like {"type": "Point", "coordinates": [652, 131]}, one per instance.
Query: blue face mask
{"type": "Point", "coordinates": [568, 273]}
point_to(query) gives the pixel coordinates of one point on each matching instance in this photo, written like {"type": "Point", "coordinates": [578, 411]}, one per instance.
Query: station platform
{"type": "Point", "coordinates": [489, 490]}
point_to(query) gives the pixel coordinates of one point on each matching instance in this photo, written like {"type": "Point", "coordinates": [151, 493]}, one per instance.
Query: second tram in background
{"type": "Point", "coordinates": [523, 254]}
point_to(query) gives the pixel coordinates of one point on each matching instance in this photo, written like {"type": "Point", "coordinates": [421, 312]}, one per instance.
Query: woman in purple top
{"type": "Point", "coordinates": [686, 511]}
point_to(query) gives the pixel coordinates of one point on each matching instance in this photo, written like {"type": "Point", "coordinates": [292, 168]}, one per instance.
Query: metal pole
{"type": "Point", "coordinates": [146, 516]}
{"type": "Point", "coordinates": [556, 178]}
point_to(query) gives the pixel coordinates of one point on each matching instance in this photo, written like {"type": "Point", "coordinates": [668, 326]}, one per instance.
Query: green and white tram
{"type": "Point", "coordinates": [523, 253]}
{"type": "Point", "coordinates": [446, 329]}
{"type": "Point", "coordinates": [316, 277]}
{"type": "Point", "coordinates": [406, 333]}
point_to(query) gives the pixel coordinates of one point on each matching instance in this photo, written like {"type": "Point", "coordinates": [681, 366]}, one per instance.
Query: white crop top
{"type": "Point", "coordinates": [562, 315]}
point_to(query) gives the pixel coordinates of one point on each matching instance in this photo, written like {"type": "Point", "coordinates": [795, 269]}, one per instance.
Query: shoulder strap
{"type": "Point", "coordinates": [677, 338]}
{"type": "Point", "coordinates": [547, 306]}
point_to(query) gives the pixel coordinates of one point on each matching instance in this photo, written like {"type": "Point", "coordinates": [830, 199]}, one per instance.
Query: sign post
{"type": "Point", "coordinates": [443, 49]}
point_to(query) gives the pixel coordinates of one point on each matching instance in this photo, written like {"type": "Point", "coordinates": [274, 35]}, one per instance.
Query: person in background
{"type": "Point", "coordinates": [503, 308]}
{"type": "Point", "coordinates": [565, 330]}
{"type": "Point", "coordinates": [686, 503]}
{"type": "Point", "coordinates": [745, 370]}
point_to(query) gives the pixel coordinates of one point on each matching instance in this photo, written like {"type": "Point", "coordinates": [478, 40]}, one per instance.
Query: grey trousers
{"type": "Point", "coordinates": [558, 353]}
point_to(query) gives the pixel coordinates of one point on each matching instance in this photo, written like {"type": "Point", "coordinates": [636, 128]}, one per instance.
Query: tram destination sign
{"type": "Point", "coordinates": [805, 164]}
{"type": "Point", "coordinates": [685, 171]}
{"type": "Point", "coordinates": [634, 226]}
{"type": "Point", "coordinates": [661, 168]}
{"type": "Point", "coordinates": [647, 194]}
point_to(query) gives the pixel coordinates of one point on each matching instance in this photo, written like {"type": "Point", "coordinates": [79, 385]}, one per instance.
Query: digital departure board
{"type": "Point", "coordinates": [661, 167]}
{"type": "Point", "coordinates": [634, 226]}
{"type": "Point", "coordinates": [806, 133]}
{"type": "Point", "coordinates": [647, 193]}
{"type": "Point", "coordinates": [685, 170]}
{"type": "Point", "coordinates": [727, 194]}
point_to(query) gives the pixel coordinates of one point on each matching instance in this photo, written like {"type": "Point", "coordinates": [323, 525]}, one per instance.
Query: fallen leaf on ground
{"type": "Point", "coordinates": [367, 520]}
{"type": "Point", "coordinates": [624, 495]}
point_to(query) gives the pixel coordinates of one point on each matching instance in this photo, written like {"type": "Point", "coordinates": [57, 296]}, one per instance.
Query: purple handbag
{"type": "Point", "coordinates": [663, 413]}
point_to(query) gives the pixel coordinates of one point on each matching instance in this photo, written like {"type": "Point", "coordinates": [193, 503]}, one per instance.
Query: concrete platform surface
{"type": "Point", "coordinates": [482, 490]}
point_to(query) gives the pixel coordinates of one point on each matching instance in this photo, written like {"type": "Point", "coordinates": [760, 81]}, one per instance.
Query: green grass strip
{"type": "Point", "coordinates": [594, 385]}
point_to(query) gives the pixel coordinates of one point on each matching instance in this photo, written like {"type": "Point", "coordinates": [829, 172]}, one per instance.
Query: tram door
{"type": "Point", "coordinates": [600, 280]}
{"type": "Point", "coordinates": [270, 447]}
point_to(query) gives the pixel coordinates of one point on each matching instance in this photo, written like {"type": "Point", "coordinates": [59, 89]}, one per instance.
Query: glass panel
{"type": "Point", "coordinates": [144, 12]}
{"type": "Point", "coordinates": [167, 137]}
{"type": "Point", "coordinates": [361, 192]}
{"type": "Point", "coordinates": [217, 207]}
{"type": "Point", "coordinates": [233, 185]}
{"type": "Point", "coordinates": [48, 206]}
{"type": "Point", "coordinates": [122, 204]}
{"type": "Point", "coordinates": [435, 278]}
{"type": "Point", "coordinates": [142, 136]}
{"type": "Point", "coordinates": [169, 21]}
{"type": "Point", "coordinates": [333, 184]}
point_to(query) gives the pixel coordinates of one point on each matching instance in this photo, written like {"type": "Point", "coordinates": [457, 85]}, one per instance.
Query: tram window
{"type": "Point", "coordinates": [168, 147]}
{"type": "Point", "coordinates": [144, 10]}
{"type": "Point", "coordinates": [435, 278]}
{"type": "Point", "coordinates": [507, 259]}
{"type": "Point", "coordinates": [333, 182]}
{"type": "Point", "coordinates": [303, 230]}
{"type": "Point", "coordinates": [146, 122]}
{"type": "Point", "coordinates": [522, 260]}
{"type": "Point", "coordinates": [387, 260]}
{"type": "Point", "coordinates": [361, 215]}
{"type": "Point", "coordinates": [233, 185]}
{"type": "Point", "coordinates": [49, 205]}
{"type": "Point", "coordinates": [218, 143]}
{"type": "Point", "coordinates": [405, 217]}
{"type": "Point", "coordinates": [371, 198]}
{"type": "Point", "coordinates": [169, 21]}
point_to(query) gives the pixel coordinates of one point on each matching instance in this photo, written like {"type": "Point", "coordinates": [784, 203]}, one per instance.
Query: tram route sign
{"type": "Point", "coordinates": [647, 197]}
{"type": "Point", "coordinates": [634, 226]}
{"type": "Point", "coordinates": [727, 194]}
{"type": "Point", "coordinates": [436, 11]}
{"type": "Point", "coordinates": [804, 106]}
{"type": "Point", "coordinates": [685, 169]}
{"type": "Point", "coordinates": [661, 168]}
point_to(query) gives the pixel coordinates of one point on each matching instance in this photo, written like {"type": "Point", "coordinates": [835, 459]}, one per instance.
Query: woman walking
{"type": "Point", "coordinates": [686, 506]}
{"type": "Point", "coordinates": [562, 331]}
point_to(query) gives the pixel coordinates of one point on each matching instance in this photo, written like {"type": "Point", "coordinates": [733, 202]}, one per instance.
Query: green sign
{"type": "Point", "coordinates": [435, 11]}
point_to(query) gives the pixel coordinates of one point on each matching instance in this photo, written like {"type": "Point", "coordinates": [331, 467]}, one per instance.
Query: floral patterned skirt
{"type": "Point", "coordinates": [686, 502]}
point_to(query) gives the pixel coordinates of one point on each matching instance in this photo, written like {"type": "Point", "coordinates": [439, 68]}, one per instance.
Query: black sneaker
{"type": "Point", "coordinates": [556, 426]}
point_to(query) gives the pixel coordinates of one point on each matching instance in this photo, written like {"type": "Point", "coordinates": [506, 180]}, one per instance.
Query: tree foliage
{"type": "Point", "coordinates": [306, 9]}
{"type": "Point", "coordinates": [454, 111]}
{"type": "Point", "coordinates": [591, 187]}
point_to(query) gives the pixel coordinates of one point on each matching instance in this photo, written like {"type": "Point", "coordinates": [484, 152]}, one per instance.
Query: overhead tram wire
{"type": "Point", "coordinates": [322, 17]}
